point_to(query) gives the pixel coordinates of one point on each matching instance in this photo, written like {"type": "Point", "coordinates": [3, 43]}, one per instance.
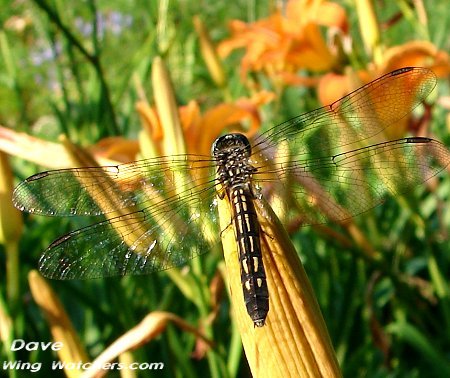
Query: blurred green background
{"type": "Point", "coordinates": [78, 68]}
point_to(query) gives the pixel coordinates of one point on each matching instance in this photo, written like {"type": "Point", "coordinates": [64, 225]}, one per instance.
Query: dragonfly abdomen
{"type": "Point", "coordinates": [232, 153]}
{"type": "Point", "coordinates": [253, 276]}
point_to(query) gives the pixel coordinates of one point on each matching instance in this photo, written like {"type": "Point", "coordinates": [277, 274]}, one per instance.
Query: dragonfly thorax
{"type": "Point", "coordinates": [232, 153]}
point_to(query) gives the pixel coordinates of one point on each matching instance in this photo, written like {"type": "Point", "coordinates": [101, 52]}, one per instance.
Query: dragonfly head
{"type": "Point", "coordinates": [231, 142]}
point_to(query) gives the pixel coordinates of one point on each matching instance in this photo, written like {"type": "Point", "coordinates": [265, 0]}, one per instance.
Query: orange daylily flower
{"type": "Point", "coordinates": [418, 54]}
{"type": "Point", "coordinates": [116, 149]}
{"type": "Point", "coordinates": [109, 151]}
{"type": "Point", "coordinates": [201, 130]}
{"type": "Point", "coordinates": [282, 44]}
{"type": "Point", "coordinates": [333, 86]}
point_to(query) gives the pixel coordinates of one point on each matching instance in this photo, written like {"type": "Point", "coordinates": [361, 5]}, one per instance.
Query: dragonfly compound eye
{"type": "Point", "coordinates": [231, 141]}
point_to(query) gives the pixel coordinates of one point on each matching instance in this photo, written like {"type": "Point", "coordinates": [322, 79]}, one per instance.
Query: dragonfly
{"type": "Point", "coordinates": [332, 163]}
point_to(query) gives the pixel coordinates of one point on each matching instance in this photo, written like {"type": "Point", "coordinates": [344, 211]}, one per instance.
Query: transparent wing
{"type": "Point", "coordinates": [102, 190]}
{"type": "Point", "coordinates": [131, 244]}
{"type": "Point", "coordinates": [323, 160]}
{"type": "Point", "coordinates": [347, 184]}
{"type": "Point", "coordinates": [357, 117]}
{"type": "Point", "coordinates": [159, 213]}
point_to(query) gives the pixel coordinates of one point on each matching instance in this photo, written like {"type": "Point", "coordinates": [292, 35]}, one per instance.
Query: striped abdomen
{"type": "Point", "coordinates": [253, 276]}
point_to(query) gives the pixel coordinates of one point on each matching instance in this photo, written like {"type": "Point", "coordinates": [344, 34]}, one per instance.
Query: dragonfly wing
{"type": "Point", "coordinates": [325, 159]}
{"type": "Point", "coordinates": [102, 190]}
{"type": "Point", "coordinates": [356, 117]}
{"type": "Point", "coordinates": [165, 235]}
{"type": "Point", "coordinates": [159, 213]}
{"type": "Point", "coordinates": [347, 184]}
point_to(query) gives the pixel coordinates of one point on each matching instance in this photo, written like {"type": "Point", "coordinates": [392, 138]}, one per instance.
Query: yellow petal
{"type": "Point", "coordinates": [332, 86]}
{"type": "Point", "coordinates": [116, 148]}
{"type": "Point", "coordinates": [11, 225]}
{"type": "Point", "coordinates": [368, 25]}
{"type": "Point", "coordinates": [102, 187]}
{"type": "Point", "coordinates": [46, 154]}
{"type": "Point", "coordinates": [209, 53]}
{"type": "Point", "coordinates": [294, 342]}
{"type": "Point", "coordinates": [173, 142]}
{"type": "Point", "coordinates": [60, 325]}
{"type": "Point", "coordinates": [310, 51]}
{"type": "Point", "coordinates": [417, 54]}
{"type": "Point", "coordinates": [150, 120]}
{"type": "Point", "coordinates": [148, 329]}
{"type": "Point", "coordinates": [10, 218]}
